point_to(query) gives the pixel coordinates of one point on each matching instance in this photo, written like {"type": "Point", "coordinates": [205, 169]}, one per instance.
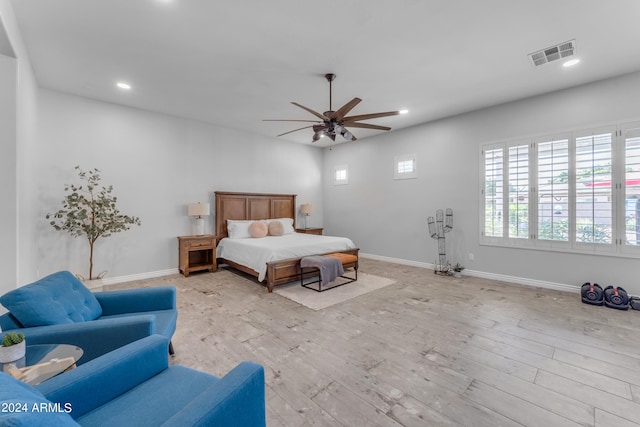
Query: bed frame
{"type": "Point", "coordinates": [243, 206]}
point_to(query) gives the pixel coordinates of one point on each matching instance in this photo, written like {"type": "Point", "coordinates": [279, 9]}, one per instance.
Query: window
{"type": "Point", "coordinates": [406, 167]}
{"type": "Point", "coordinates": [576, 191]}
{"type": "Point", "coordinates": [553, 189]}
{"type": "Point", "coordinates": [594, 191]}
{"type": "Point", "coordinates": [518, 169]}
{"type": "Point", "coordinates": [631, 136]}
{"type": "Point", "coordinates": [493, 194]}
{"type": "Point", "coordinates": [341, 175]}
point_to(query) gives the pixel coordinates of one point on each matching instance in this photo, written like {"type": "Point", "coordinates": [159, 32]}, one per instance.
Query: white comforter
{"type": "Point", "coordinates": [256, 253]}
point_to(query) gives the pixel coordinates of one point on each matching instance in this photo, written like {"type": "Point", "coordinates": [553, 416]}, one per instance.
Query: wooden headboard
{"type": "Point", "coordinates": [241, 206]}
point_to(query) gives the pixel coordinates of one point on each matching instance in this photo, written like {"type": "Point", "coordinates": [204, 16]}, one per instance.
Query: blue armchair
{"type": "Point", "coordinates": [134, 386]}
{"type": "Point", "coordinates": [59, 309]}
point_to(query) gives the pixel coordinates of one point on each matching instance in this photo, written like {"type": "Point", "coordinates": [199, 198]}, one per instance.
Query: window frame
{"type": "Point", "coordinates": [622, 200]}
{"type": "Point", "coordinates": [613, 197]}
{"type": "Point", "coordinates": [413, 158]}
{"type": "Point", "coordinates": [338, 168]}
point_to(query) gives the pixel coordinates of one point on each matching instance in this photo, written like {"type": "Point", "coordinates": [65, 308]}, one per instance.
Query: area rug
{"type": "Point", "coordinates": [319, 300]}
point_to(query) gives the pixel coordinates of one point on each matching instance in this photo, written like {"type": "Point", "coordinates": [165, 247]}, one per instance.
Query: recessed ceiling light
{"type": "Point", "coordinates": [123, 85]}
{"type": "Point", "coordinates": [571, 62]}
{"type": "Point", "coordinates": [404, 111]}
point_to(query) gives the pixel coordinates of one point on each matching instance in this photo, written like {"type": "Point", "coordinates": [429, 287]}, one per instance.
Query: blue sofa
{"type": "Point", "coordinates": [59, 309]}
{"type": "Point", "coordinates": [134, 386]}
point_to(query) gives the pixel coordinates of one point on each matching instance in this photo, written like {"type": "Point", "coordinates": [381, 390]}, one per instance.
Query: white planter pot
{"type": "Point", "coordinates": [13, 353]}
{"type": "Point", "coordinates": [93, 284]}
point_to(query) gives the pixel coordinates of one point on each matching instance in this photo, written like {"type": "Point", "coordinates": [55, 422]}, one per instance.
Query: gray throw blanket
{"type": "Point", "coordinates": [330, 267]}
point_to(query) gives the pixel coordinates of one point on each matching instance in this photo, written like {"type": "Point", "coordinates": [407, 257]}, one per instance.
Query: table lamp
{"type": "Point", "coordinates": [198, 210]}
{"type": "Point", "coordinates": [306, 209]}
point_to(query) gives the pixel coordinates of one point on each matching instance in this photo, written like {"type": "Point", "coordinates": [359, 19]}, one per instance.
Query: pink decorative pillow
{"type": "Point", "coordinates": [258, 229]}
{"type": "Point", "coordinates": [276, 228]}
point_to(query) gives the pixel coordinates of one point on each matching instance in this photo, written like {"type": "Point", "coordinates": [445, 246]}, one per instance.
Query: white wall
{"type": "Point", "coordinates": [18, 101]}
{"type": "Point", "coordinates": [8, 189]}
{"type": "Point", "coordinates": [389, 218]}
{"type": "Point", "coordinates": [157, 164]}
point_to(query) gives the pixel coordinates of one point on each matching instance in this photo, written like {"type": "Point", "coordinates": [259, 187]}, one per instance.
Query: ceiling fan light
{"type": "Point", "coordinates": [346, 134]}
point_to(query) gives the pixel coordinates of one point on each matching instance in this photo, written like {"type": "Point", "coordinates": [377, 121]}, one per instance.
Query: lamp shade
{"type": "Point", "coordinates": [198, 209]}
{"type": "Point", "coordinates": [306, 209]}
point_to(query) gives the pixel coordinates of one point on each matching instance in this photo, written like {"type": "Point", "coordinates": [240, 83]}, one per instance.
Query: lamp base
{"type": "Point", "coordinates": [198, 227]}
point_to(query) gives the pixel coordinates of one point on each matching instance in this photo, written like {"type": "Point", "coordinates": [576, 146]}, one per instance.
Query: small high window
{"type": "Point", "coordinates": [341, 175]}
{"type": "Point", "coordinates": [406, 166]}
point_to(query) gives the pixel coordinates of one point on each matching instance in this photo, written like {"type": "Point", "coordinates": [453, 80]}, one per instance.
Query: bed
{"type": "Point", "coordinates": [272, 260]}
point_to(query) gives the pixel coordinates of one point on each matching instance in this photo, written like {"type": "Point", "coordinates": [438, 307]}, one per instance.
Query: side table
{"type": "Point", "coordinates": [196, 253]}
{"type": "Point", "coordinates": [311, 230]}
{"type": "Point", "coordinates": [51, 360]}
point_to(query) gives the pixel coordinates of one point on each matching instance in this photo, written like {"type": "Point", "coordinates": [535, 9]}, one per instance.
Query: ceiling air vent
{"type": "Point", "coordinates": [553, 53]}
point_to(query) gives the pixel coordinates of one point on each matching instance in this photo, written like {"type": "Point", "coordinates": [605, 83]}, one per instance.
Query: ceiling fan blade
{"type": "Point", "coordinates": [366, 126]}
{"type": "Point", "coordinates": [295, 130]}
{"type": "Point", "coordinates": [370, 116]}
{"type": "Point", "coordinates": [315, 113]}
{"type": "Point", "coordinates": [339, 115]}
{"type": "Point", "coordinates": [286, 120]}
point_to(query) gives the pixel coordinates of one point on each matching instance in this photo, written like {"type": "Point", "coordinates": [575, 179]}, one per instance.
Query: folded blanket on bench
{"type": "Point", "coordinates": [330, 267]}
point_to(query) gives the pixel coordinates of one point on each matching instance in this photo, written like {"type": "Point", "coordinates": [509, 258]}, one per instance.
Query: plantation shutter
{"type": "Point", "coordinates": [553, 190]}
{"type": "Point", "coordinates": [493, 192]}
{"type": "Point", "coordinates": [594, 189]}
{"type": "Point", "coordinates": [518, 167]}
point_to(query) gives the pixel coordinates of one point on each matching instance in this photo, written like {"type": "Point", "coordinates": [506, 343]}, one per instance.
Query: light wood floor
{"type": "Point", "coordinates": [426, 351]}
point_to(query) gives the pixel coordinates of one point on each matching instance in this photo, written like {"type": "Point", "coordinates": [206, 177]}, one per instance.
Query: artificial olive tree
{"type": "Point", "coordinates": [89, 210]}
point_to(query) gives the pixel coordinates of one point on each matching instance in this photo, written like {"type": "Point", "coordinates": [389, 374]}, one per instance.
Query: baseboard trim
{"type": "Point", "coordinates": [397, 260]}
{"type": "Point", "coordinates": [475, 273]}
{"type": "Point", "coordinates": [139, 276]}
{"type": "Point", "coordinates": [483, 274]}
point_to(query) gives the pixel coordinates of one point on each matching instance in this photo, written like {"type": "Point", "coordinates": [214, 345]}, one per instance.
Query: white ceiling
{"type": "Point", "coordinates": [235, 63]}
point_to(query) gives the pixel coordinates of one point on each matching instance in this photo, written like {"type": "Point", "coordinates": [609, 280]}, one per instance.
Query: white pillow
{"type": "Point", "coordinates": [239, 229]}
{"type": "Point", "coordinates": [287, 224]}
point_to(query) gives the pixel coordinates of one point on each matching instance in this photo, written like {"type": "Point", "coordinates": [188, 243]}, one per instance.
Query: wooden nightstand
{"type": "Point", "coordinates": [197, 253]}
{"type": "Point", "coordinates": [311, 230]}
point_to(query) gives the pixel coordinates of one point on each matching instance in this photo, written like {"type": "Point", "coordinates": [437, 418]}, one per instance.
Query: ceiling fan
{"type": "Point", "coordinates": [332, 123]}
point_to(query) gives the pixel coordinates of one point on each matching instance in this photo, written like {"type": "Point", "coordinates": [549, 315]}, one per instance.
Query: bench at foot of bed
{"type": "Point", "coordinates": [339, 260]}
{"type": "Point", "coordinates": [286, 271]}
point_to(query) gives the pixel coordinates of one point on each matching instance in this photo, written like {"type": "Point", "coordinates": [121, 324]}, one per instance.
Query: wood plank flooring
{"type": "Point", "coordinates": [425, 351]}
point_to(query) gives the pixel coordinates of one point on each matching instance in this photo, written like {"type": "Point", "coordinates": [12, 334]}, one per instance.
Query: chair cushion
{"type": "Point", "coordinates": [55, 299]}
{"type": "Point", "coordinates": [23, 405]}
{"type": "Point", "coordinates": [154, 401]}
